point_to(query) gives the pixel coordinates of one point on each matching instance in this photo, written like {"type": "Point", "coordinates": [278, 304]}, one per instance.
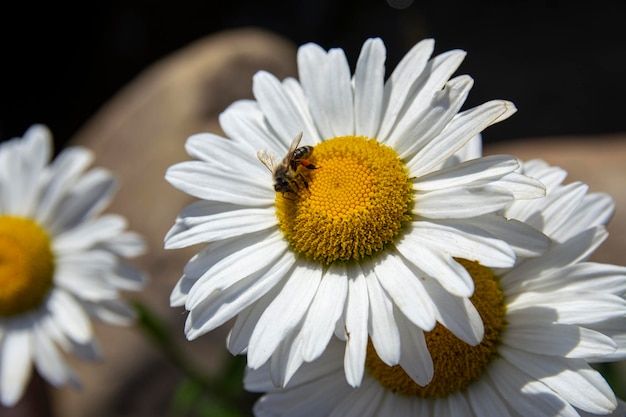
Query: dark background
{"type": "Point", "coordinates": [562, 63]}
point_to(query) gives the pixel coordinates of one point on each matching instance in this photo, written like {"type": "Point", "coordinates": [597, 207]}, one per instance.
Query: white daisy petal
{"type": "Point", "coordinates": [619, 411]}
{"type": "Point", "coordinates": [465, 241]}
{"type": "Point", "coordinates": [324, 388]}
{"type": "Point", "coordinates": [540, 401]}
{"type": "Point", "coordinates": [286, 359]}
{"type": "Point", "coordinates": [485, 248]}
{"type": "Point", "coordinates": [457, 314]}
{"type": "Point", "coordinates": [239, 336]}
{"type": "Point", "coordinates": [557, 339]}
{"type": "Point", "coordinates": [405, 74]}
{"type": "Point", "coordinates": [70, 316]}
{"type": "Point", "coordinates": [324, 311]}
{"type": "Point", "coordinates": [311, 405]}
{"type": "Point", "coordinates": [59, 176]}
{"type": "Point", "coordinates": [181, 289]}
{"type": "Point", "coordinates": [283, 314]}
{"type": "Point", "coordinates": [13, 163]}
{"type": "Point", "coordinates": [25, 168]}
{"type": "Point", "coordinates": [336, 98]}
{"type": "Point", "coordinates": [595, 210]}
{"type": "Point", "coordinates": [225, 154]}
{"type": "Point", "coordinates": [428, 263]}
{"type": "Point", "coordinates": [430, 81]}
{"type": "Point", "coordinates": [521, 186]}
{"type": "Point", "coordinates": [472, 150]}
{"type": "Point", "coordinates": [325, 79]}
{"type": "Point", "coordinates": [467, 172]}
{"type": "Point", "coordinates": [562, 202]}
{"type": "Point", "coordinates": [219, 152]}
{"type": "Point", "coordinates": [406, 291]}
{"type": "Point", "coordinates": [574, 381]}
{"type": "Point", "coordinates": [423, 123]}
{"type": "Point", "coordinates": [560, 255]}
{"type": "Point", "coordinates": [352, 406]}
{"type": "Point", "coordinates": [551, 176]}
{"type": "Point", "coordinates": [279, 107]}
{"type": "Point", "coordinates": [219, 226]}
{"type": "Point", "coordinates": [126, 277]}
{"type": "Point", "coordinates": [415, 358]}
{"type": "Point", "coordinates": [357, 308]}
{"type": "Point", "coordinates": [224, 270]}
{"type": "Point", "coordinates": [587, 276]}
{"type": "Point", "coordinates": [454, 405]}
{"type": "Point", "coordinates": [244, 122]}
{"type": "Point", "coordinates": [579, 307]}
{"type": "Point", "coordinates": [84, 274]}
{"type": "Point", "coordinates": [15, 362]}
{"type": "Point", "coordinates": [616, 329]}
{"type": "Point", "coordinates": [211, 183]}
{"type": "Point", "coordinates": [111, 311]}
{"type": "Point", "coordinates": [383, 329]}
{"type": "Point", "coordinates": [485, 400]}
{"type": "Point", "coordinates": [524, 240]}
{"type": "Point", "coordinates": [223, 304]}
{"type": "Point", "coordinates": [458, 132]}
{"type": "Point", "coordinates": [49, 362]}
{"type": "Point", "coordinates": [88, 197]}
{"type": "Point", "coordinates": [86, 235]}
{"type": "Point", "coordinates": [369, 87]}
{"type": "Point", "coordinates": [125, 245]}
{"type": "Point", "coordinates": [461, 202]}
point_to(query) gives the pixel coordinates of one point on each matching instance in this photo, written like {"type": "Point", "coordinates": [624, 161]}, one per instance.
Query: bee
{"type": "Point", "coordinates": [286, 172]}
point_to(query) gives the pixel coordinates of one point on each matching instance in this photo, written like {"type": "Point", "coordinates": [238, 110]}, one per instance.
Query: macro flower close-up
{"type": "Point", "coordinates": [547, 320]}
{"type": "Point", "coordinates": [62, 262]}
{"type": "Point", "coordinates": [342, 204]}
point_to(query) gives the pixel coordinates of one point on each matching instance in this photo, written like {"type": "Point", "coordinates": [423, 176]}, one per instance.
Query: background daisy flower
{"type": "Point", "coordinates": [61, 261]}
{"type": "Point", "coordinates": [546, 319]}
{"type": "Point", "coordinates": [361, 234]}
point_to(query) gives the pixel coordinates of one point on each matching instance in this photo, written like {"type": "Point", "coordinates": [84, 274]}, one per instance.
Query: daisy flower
{"type": "Point", "coordinates": [546, 319]}
{"type": "Point", "coordinates": [60, 260]}
{"type": "Point", "coordinates": [358, 224]}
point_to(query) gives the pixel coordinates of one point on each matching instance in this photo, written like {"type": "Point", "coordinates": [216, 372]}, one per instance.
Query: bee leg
{"type": "Point", "coordinates": [305, 163]}
{"type": "Point", "coordinates": [306, 184]}
{"type": "Point", "coordinates": [294, 182]}
{"type": "Point", "coordinates": [285, 193]}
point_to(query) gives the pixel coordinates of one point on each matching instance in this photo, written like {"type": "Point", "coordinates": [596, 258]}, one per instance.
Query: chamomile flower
{"type": "Point", "coordinates": [60, 260]}
{"type": "Point", "coordinates": [546, 319]}
{"type": "Point", "coordinates": [358, 225]}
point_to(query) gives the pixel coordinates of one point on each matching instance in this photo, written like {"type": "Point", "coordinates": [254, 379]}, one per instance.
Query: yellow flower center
{"type": "Point", "coordinates": [353, 204]}
{"type": "Point", "coordinates": [456, 363]}
{"type": "Point", "coordinates": [26, 265]}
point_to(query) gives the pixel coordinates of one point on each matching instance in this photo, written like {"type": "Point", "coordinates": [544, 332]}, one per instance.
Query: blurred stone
{"type": "Point", "coordinates": [142, 131]}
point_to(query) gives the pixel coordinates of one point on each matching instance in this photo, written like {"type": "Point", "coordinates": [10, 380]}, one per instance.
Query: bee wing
{"type": "Point", "coordinates": [294, 144]}
{"type": "Point", "coordinates": [268, 159]}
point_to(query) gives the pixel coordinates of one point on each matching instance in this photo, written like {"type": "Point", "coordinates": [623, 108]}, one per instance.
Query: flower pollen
{"type": "Point", "coordinates": [456, 363]}
{"type": "Point", "coordinates": [353, 204]}
{"type": "Point", "coordinates": [26, 265]}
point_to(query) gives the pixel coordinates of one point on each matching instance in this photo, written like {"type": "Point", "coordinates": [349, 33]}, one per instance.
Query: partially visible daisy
{"type": "Point", "coordinates": [546, 319]}
{"type": "Point", "coordinates": [61, 261]}
{"type": "Point", "coordinates": [359, 234]}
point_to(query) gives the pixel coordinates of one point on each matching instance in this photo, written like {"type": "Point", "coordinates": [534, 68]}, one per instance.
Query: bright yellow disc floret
{"type": "Point", "coordinates": [26, 265]}
{"type": "Point", "coordinates": [353, 204]}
